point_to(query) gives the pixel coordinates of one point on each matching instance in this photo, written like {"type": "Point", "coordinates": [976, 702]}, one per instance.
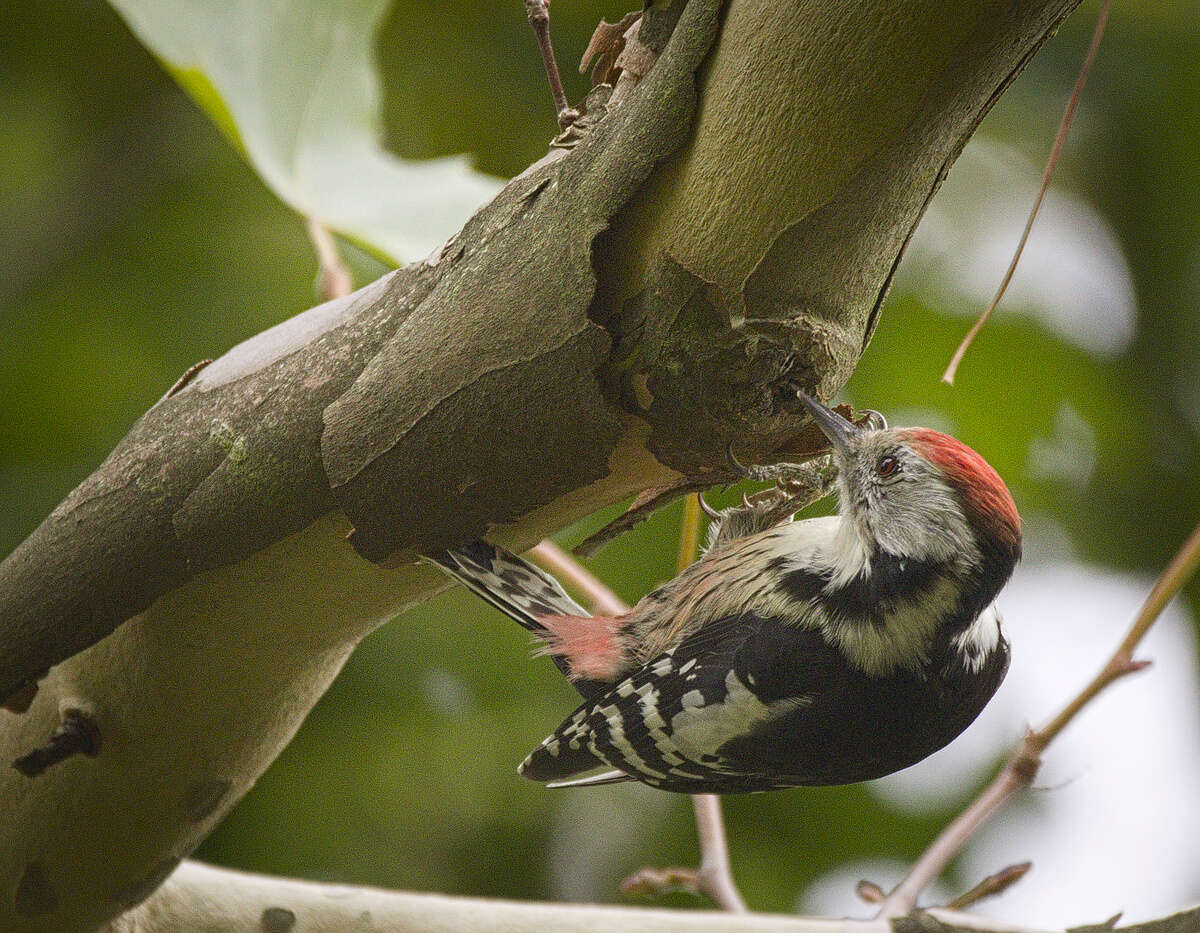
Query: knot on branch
{"type": "Point", "coordinates": [78, 734]}
{"type": "Point", "coordinates": [21, 699]}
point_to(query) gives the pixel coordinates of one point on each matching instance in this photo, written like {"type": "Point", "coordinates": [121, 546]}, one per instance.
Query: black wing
{"type": "Point", "coordinates": [751, 704]}
{"type": "Point", "coordinates": [670, 724]}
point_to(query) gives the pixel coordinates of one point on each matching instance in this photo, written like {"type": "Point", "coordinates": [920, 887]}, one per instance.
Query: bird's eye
{"type": "Point", "coordinates": [887, 466]}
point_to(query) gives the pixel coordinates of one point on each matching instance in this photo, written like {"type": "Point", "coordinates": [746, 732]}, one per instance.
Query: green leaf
{"type": "Point", "coordinates": [293, 85]}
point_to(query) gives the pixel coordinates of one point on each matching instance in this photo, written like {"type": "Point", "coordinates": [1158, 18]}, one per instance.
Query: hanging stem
{"type": "Point", "coordinates": [538, 13]}
{"type": "Point", "coordinates": [333, 278]}
{"type": "Point", "coordinates": [549, 556]}
{"type": "Point", "coordinates": [1059, 140]}
{"type": "Point", "coordinates": [714, 877]}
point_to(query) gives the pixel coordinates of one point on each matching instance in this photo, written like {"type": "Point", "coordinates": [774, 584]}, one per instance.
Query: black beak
{"type": "Point", "coordinates": [841, 433]}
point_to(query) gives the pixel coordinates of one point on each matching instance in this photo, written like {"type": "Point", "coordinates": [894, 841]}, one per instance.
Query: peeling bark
{"type": "Point", "coordinates": [760, 255]}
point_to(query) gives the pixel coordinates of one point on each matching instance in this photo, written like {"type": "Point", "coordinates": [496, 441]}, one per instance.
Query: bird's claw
{"type": "Point", "coordinates": [875, 419]}
{"type": "Point", "coordinates": [796, 486]}
{"type": "Point", "coordinates": [764, 473]}
{"type": "Point", "coordinates": [786, 476]}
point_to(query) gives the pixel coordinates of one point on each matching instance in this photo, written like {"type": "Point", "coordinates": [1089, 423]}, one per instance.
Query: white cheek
{"type": "Point", "coordinates": [922, 521]}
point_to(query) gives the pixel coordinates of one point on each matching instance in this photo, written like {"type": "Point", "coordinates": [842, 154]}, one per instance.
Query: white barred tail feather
{"type": "Point", "coordinates": [525, 593]}
{"type": "Point", "coordinates": [520, 590]}
{"type": "Point", "coordinates": [592, 780]}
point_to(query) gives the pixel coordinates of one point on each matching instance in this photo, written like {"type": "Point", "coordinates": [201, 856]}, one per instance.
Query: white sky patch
{"type": "Point", "coordinates": [1045, 540]}
{"type": "Point", "coordinates": [1073, 275]}
{"type": "Point", "coordinates": [1068, 454]}
{"type": "Point", "coordinates": [1115, 825]}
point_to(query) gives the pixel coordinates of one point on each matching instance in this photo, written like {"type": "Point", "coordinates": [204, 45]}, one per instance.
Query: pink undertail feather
{"type": "Point", "coordinates": [591, 645]}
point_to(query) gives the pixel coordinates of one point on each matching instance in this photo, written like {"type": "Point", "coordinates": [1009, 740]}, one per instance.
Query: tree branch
{"type": "Point", "coordinates": [607, 324]}
{"type": "Point", "coordinates": [203, 899]}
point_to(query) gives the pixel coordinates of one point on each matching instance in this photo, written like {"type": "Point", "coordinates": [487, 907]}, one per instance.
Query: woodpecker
{"type": "Point", "coordinates": [824, 651]}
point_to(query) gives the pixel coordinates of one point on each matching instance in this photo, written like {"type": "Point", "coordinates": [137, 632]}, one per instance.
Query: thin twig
{"type": "Point", "coordinates": [1023, 766]}
{"type": "Point", "coordinates": [992, 885]}
{"type": "Point", "coordinates": [549, 556]}
{"type": "Point", "coordinates": [714, 877]}
{"type": "Point", "coordinates": [333, 278]}
{"type": "Point", "coordinates": [870, 892]}
{"type": "Point", "coordinates": [188, 375]}
{"type": "Point", "coordinates": [1059, 140]}
{"type": "Point", "coordinates": [538, 13]}
{"type": "Point", "coordinates": [689, 533]}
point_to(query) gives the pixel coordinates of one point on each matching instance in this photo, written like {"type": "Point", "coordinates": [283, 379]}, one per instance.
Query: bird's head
{"type": "Point", "coordinates": [919, 494]}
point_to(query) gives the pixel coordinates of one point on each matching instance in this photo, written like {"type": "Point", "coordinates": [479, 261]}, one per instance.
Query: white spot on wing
{"type": "Point", "coordinates": [701, 730]}
{"type": "Point", "coordinates": [979, 639]}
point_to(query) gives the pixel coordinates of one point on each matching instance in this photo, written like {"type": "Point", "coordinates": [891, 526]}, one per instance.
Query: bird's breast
{"type": "Point", "coordinates": [861, 727]}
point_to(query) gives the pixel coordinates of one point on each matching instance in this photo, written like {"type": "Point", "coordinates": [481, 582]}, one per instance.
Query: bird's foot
{"type": "Point", "coordinates": [797, 485]}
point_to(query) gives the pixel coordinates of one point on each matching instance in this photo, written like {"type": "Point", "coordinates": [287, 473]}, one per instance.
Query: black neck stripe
{"type": "Point", "coordinates": [886, 582]}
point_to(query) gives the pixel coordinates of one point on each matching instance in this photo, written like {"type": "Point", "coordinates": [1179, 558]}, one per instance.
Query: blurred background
{"type": "Point", "coordinates": [136, 239]}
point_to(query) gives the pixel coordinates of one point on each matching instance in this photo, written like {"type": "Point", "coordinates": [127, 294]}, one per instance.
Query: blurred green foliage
{"type": "Point", "coordinates": [136, 241]}
{"type": "Point", "coordinates": [294, 88]}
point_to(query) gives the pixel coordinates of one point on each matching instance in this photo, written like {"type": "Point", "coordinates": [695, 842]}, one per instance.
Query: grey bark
{"type": "Point", "coordinates": [755, 259]}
